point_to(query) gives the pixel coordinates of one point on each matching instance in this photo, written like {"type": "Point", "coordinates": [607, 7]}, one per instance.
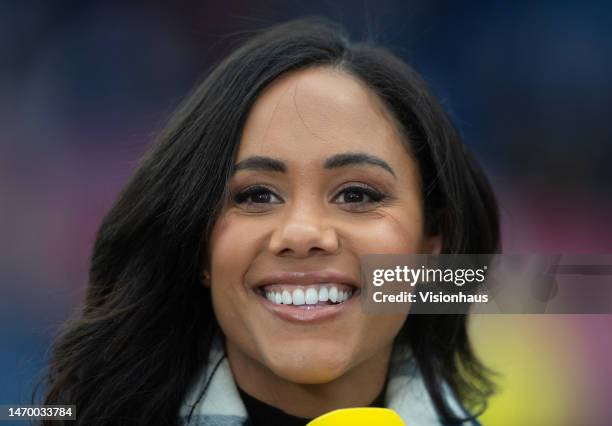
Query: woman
{"type": "Point", "coordinates": [224, 280]}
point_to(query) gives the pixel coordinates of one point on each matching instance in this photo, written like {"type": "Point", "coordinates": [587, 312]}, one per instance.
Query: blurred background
{"type": "Point", "coordinates": [86, 85]}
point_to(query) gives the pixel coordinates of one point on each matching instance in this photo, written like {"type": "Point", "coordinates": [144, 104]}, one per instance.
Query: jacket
{"type": "Point", "coordinates": [214, 399]}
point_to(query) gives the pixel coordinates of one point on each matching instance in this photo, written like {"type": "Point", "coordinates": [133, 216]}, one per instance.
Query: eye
{"type": "Point", "coordinates": [256, 197]}
{"type": "Point", "coordinates": [359, 197]}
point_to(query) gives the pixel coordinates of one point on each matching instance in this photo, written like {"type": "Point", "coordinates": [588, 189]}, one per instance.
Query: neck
{"type": "Point", "coordinates": [358, 387]}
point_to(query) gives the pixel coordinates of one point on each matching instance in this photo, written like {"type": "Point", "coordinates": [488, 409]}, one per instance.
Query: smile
{"type": "Point", "coordinates": [307, 296]}
{"type": "Point", "coordinates": [308, 304]}
{"type": "Point", "coordinates": [317, 294]}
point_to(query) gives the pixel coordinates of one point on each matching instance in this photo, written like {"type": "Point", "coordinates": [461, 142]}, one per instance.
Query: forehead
{"type": "Point", "coordinates": [308, 115]}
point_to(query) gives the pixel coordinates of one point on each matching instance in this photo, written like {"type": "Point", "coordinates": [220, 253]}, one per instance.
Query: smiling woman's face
{"type": "Point", "coordinates": [322, 177]}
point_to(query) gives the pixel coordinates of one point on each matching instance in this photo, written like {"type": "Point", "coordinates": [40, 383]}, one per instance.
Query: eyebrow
{"type": "Point", "coordinates": [339, 160]}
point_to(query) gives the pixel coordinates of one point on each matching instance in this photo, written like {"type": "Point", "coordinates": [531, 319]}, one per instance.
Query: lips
{"type": "Point", "coordinates": [308, 277]}
{"type": "Point", "coordinates": [307, 296]}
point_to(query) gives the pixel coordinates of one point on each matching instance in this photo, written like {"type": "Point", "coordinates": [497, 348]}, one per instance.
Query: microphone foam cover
{"type": "Point", "coordinates": [365, 416]}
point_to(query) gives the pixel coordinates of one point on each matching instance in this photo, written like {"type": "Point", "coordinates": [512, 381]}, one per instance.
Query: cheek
{"type": "Point", "coordinates": [233, 244]}
{"type": "Point", "coordinates": [232, 248]}
{"type": "Point", "coordinates": [392, 230]}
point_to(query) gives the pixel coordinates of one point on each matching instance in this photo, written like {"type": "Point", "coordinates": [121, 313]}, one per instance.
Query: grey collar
{"type": "Point", "coordinates": [214, 399]}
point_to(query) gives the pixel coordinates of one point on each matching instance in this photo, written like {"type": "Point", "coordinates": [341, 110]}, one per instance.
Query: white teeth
{"type": "Point", "coordinates": [323, 294]}
{"type": "Point", "coordinates": [309, 296]}
{"type": "Point", "coordinates": [333, 294]}
{"type": "Point", "coordinates": [312, 296]}
{"type": "Point", "coordinates": [298, 296]}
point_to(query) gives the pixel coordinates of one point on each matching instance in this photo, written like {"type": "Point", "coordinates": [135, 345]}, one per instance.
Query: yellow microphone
{"type": "Point", "coordinates": [365, 416]}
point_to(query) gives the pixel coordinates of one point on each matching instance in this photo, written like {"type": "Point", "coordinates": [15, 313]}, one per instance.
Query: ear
{"type": "Point", "coordinates": [432, 244]}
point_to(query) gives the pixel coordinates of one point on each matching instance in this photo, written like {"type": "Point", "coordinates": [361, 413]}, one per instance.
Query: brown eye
{"type": "Point", "coordinates": [359, 195]}
{"type": "Point", "coordinates": [256, 195]}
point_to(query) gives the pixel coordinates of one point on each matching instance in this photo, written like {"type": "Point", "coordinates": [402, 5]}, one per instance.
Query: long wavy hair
{"type": "Point", "coordinates": [147, 324]}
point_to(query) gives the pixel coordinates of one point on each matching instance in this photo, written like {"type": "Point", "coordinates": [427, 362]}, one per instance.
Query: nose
{"type": "Point", "coordinates": [303, 233]}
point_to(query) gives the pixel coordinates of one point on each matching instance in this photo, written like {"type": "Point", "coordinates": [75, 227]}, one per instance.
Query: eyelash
{"type": "Point", "coordinates": [375, 196]}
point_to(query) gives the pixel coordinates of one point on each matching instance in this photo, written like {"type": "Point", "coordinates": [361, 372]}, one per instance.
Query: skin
{"type": "Point", "coordinates": [308, 218]}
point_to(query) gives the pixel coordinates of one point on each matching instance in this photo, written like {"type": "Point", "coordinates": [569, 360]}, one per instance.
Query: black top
{"type": "Point", "coordinates": [262, 414]}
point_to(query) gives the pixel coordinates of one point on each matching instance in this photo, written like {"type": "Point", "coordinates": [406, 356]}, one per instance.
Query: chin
{"type": "Point", "coordinates": [311, 365]}
{"type": "Point", "coordinates": [308, 374]}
